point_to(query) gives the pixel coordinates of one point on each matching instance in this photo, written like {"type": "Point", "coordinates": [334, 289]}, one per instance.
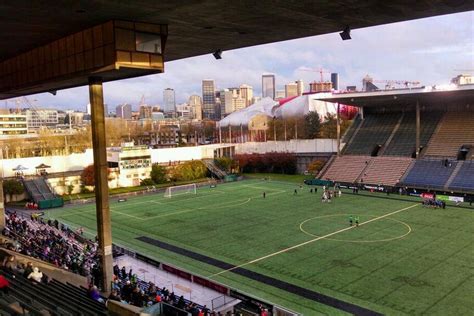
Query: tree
{"type": "Point", "coordinates": [312, 125]}
{"type": "Point", "coordinates": [12, 187]}
{"type": "Point", "coordinates": [87, 176]}
{"type": "Point", "coordinates": [158, 174]}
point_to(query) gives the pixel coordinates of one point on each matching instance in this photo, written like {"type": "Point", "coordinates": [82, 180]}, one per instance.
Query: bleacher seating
{"type": "Point", "coordinates": [350, 132]}
{"type": "Point", "coordinates": [456, 129]}
{"type": "Point", "coordinates": [54, 297]}
{"type": "Point", "coordinates": [404, 141]}
{"type": "Point", "coordinates": [38, 189]}
{"type": "Point", "coordinates": [464, 179]}
{"type": "Point", "coordinates": [386, 170]}
{"type": "Point", "coordinates": [375, 131]}
{"type": "Point", "coordinates": [429, 173]}
{"type": "Point", "coordinates": [346, 168]}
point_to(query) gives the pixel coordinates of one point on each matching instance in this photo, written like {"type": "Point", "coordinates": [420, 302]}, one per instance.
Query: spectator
{"type": "Point", "coordinates": [36, 275]}
{"type": "Point", "coordinates": [114, 296]}
{"type": "Point", "coordinates": [4, 284]}
{"type": "Point", "coordinates": [95, 295]}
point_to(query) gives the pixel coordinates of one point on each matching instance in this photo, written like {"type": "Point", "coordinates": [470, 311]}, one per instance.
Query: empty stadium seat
{"type": "Point", "coordinates": [455, 130]}
{"type": "Point", "coordinates": [403, 142]}
{"type": "Point", "coordinates": [464, 179]}
{"type": "Point", "coordinates": [374, 133]}
{"type": "Point", "coordinates": [386, 170]}
{"type": "Point", "coordinates": [54, 297]}
{"type": "Point", "coordinates": [429, 173]}
{"type": "Point", "coordinates": [346, 168]}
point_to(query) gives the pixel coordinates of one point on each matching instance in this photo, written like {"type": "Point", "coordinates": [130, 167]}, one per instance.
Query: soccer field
{"type": "Point", "coordinates": [402, 259]}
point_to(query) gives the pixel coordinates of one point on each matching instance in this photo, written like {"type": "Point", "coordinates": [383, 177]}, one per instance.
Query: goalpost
{"type": "Point", "coordinates": [181, 189]}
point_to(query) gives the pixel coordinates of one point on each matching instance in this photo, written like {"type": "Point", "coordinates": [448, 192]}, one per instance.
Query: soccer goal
{"type": "Point", "coordinates": [181, 189]}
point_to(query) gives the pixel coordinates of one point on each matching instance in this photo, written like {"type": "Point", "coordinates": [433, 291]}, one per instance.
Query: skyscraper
{"type": "Point", "coordinates": [246, 93]}
{"type": "Point", "coordinates": [195, 102]}
{"type": "Point", "coordinates": [226, 97]}
{"type": "Point", "coordinates": [291, 90]}
{"type": "Point", "coordinates": [169, 101]}
{"type": "Point", "coordinates": [268, 86]}
{"type": "Point", "coordinates": [300, 85]}
{"type": "Point", "coordinates": [335, 81]}
{"type": "Point", "coordinates": [124, 111]}
{"type": "Point", "coordinates": [208, 99]}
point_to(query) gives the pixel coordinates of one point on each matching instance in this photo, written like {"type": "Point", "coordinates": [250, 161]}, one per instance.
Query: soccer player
{"type": "Point", "coordinates": [350, 220]}
{"type": "Point", "coordinates": [311, 190]}
{"type": "Point", "coordinates": [264, 194]}
{"type": "Point", "coordinates": [357, 221]}
{"type": "Point", "coordinates": [295, 192]}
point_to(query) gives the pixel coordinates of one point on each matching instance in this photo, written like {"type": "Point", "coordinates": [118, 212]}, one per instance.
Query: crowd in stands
{"type": "Point", "coordinates": [52, 242]}
{"type": "Point", "coordinates": [128, 288]}
{"type": "Point", "coordinates": [57, 244]}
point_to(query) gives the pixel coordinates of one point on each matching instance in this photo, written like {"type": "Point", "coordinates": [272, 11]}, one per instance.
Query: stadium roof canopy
{"type": "Point", "coordinates": [445, 94]}
{"type": "Point", "coordinates": [197, 27]}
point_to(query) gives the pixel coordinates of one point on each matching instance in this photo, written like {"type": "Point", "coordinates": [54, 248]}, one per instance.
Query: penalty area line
{"type": "Point", "coordinates": [311, 241]}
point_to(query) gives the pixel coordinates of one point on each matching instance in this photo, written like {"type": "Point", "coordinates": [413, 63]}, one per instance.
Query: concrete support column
{"type": "Point", "coordinates": [338, 130]}
{"type": "Point", "coordinates": [241, 134]}
{"type": "Point", "coordinates": [104, 232]}
{"type": "Point", "coordinates": [361, 112]}
{"type": "Point", "coordinates": [2, 204]}
{"type": "Point", "coordinates": [418, 127]}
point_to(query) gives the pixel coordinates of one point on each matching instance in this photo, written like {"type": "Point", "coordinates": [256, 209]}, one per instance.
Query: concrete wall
{"type": "Point", "coordinates": [294, 146]}
{"type": "Point", "coordinates": [165, 155]}
{"type": "Point", "coordinates": [71, 162]}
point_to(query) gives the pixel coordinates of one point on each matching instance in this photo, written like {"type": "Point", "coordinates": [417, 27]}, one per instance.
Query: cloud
{"type": "Point", "coordinates": [428, 50]}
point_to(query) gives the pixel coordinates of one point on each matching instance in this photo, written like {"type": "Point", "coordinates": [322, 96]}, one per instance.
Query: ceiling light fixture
{"type": "Point", "coordinates": [346, 34]}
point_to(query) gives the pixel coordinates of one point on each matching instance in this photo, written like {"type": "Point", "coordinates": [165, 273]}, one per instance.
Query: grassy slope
{"type": "Point", "coordinates": [428, 271]}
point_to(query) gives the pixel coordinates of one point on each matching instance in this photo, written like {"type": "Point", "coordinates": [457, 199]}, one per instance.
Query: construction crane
{"type": "Point", "coordinates": [390, 84]}
{"type": "Point", "coordinates": [320, 70]}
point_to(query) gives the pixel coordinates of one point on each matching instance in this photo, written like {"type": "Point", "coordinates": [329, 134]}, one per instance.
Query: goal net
{"type": "Point", "coordinates": [181, 189]}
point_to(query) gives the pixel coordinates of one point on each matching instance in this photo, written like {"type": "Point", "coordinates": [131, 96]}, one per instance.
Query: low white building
{"type": "Point", "coordinates": [133, 163]}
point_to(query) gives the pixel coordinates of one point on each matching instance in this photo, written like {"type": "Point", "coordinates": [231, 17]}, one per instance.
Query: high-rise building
{"type": "Point", "coordinates": [145, 111]}
{"type": "Point", "coordinates": [300, 85]}
{"type": "Point", "coordinates": [169, 101]}
{"type": "Point", "coordinates": [124, 111]}
{"type": "Point", "coordinates": [208, 99]}
{"type": "Point", "coordinates": [335, 81]}
{"type": "Point", "coordinates": [41, 118]}
{"type": "Point", "coordinates": [279, 94]}
{"type": "Point", "coordinates": [195, 102]}
{"type": "Point", "coordinates": [12, 123]}
{"type": "Point", "coordinates": [368, 84]}
{"type": "Point", "coordinates": [291, 90]}
{"type": "Point", "coordinates": [89, 110]}
{"type": "Point", "coordinates": [246, 93]}
{"type": "Point", "coordinates": [238, 104]}
{"type": "Point", "coordinates": [225, 98]}
{"type": "Point", "coordinates": [317, 86]}
{"type": "Point", "coordinates": [268, 86]}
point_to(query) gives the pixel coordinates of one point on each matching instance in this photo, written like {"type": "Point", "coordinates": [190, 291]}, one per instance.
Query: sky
{"type": "Point", "coordinates": [431, 50]}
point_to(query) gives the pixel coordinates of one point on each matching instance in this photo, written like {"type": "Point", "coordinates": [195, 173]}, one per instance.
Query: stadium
{"type": "Point", "coordinates": [383, 227]}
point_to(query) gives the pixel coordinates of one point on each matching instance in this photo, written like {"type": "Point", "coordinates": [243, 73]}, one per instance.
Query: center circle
{"type": "Point", "coordinates": [307, 230]}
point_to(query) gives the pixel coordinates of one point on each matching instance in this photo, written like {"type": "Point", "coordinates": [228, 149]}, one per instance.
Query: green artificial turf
{"type": "Point", "coordinates": [413, 261]}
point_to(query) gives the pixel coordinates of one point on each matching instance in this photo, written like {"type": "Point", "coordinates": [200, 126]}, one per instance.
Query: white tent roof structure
{"type": "Point", "coordinates": [297, 107]}
{"type": "Point", "coordinates": [242, 117]}
{"type": "Point", "coordinates": [304, 104]}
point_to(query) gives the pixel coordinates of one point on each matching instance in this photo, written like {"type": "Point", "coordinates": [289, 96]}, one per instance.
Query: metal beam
{"type": "Point", "coordinates": [104, 232]}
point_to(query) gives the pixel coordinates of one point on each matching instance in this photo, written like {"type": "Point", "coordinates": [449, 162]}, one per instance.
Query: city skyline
{"type": "Point", "coordinates": [431, 50]}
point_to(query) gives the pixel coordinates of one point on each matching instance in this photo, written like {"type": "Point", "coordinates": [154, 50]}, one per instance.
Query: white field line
{"type": "Point", "coordinates": [311, 241]}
